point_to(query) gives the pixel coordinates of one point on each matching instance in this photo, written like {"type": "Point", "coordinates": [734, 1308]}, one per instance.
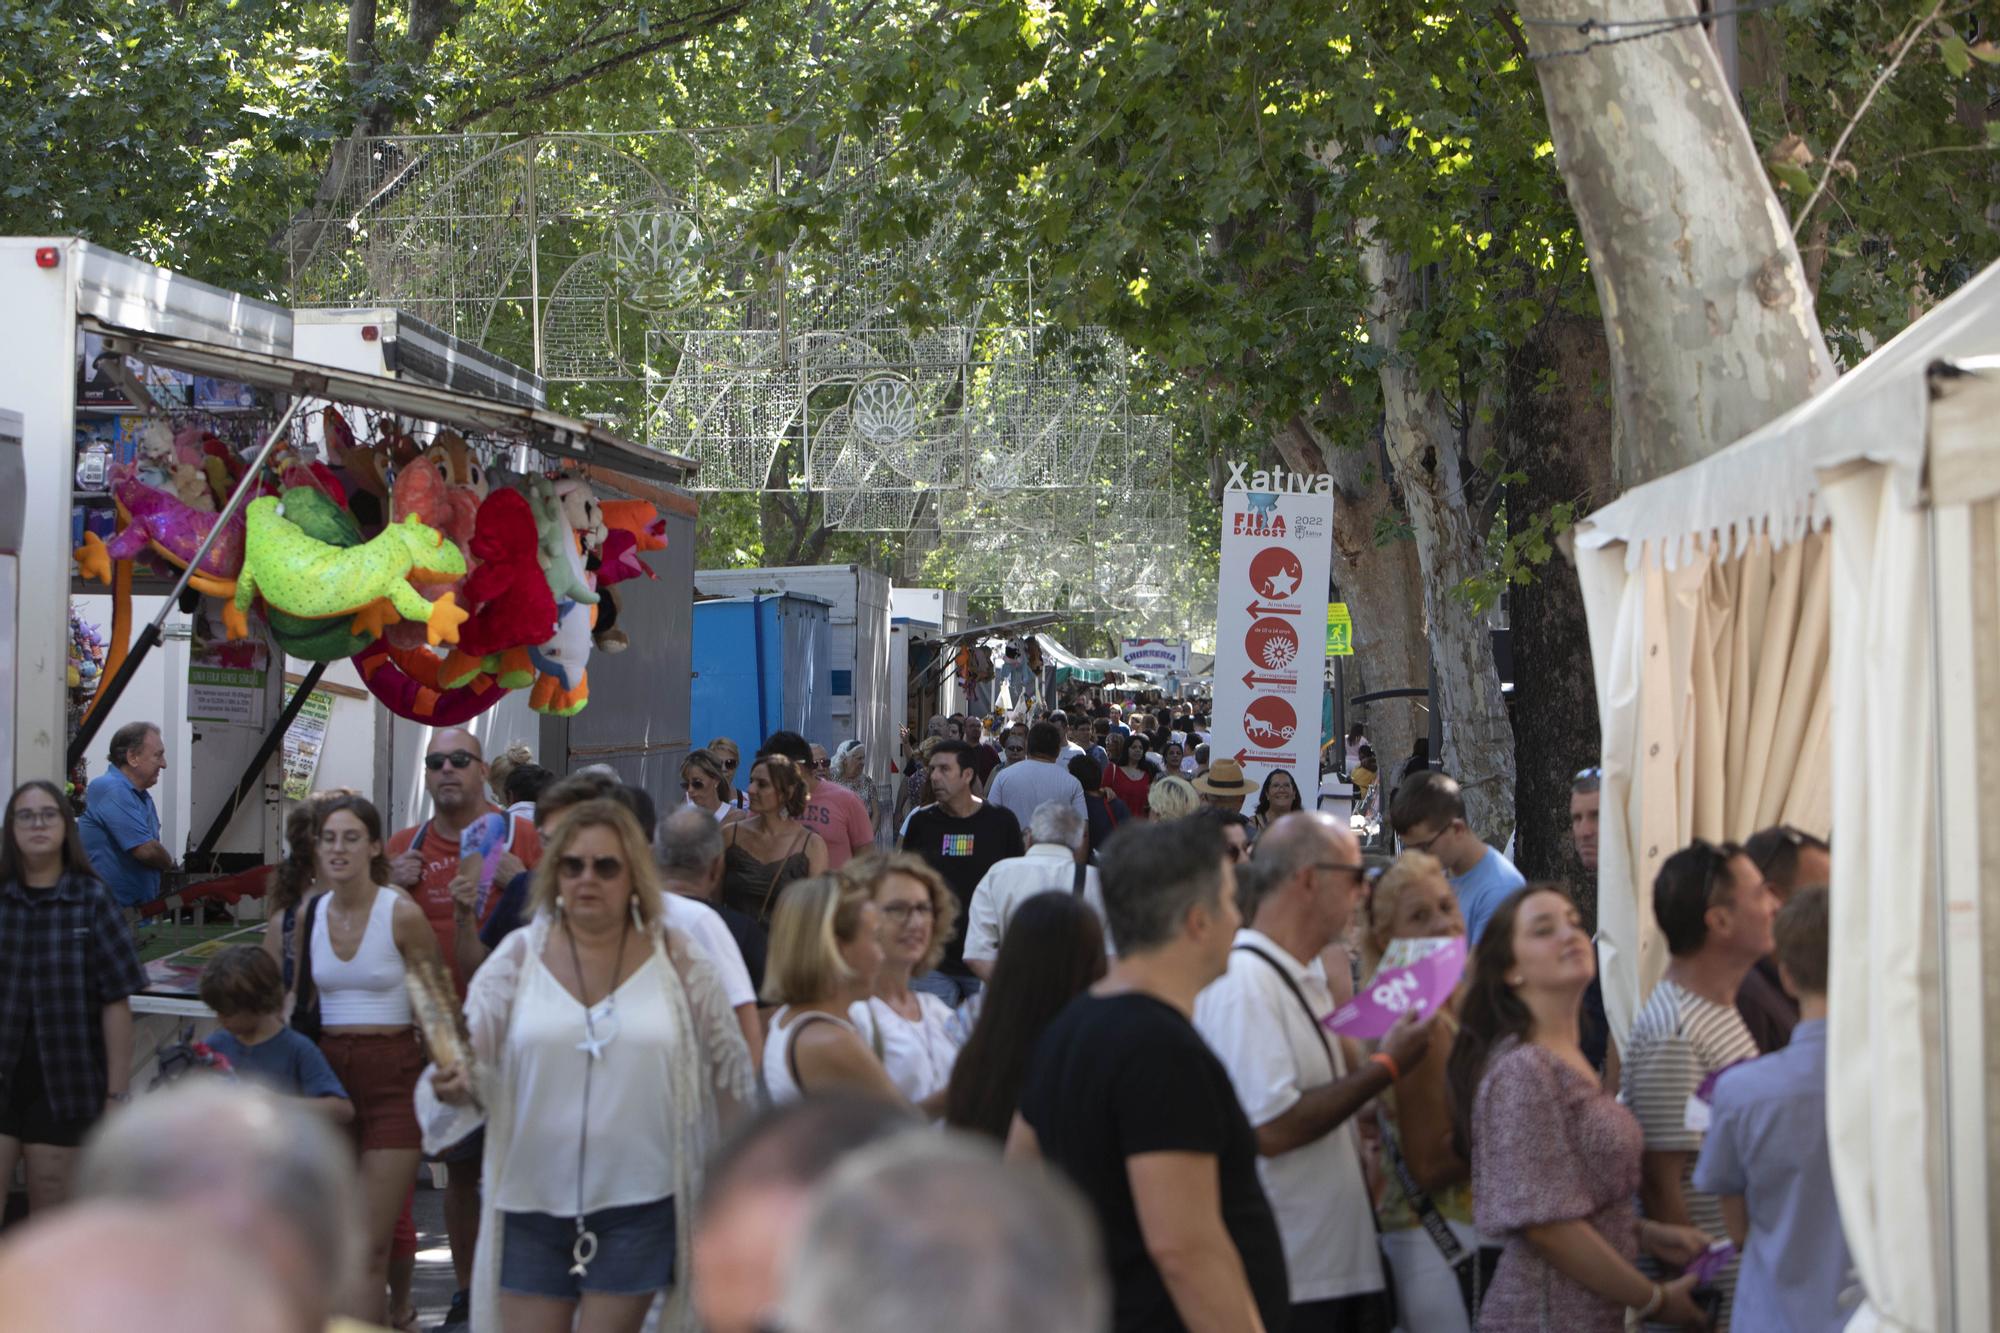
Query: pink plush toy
{"type": "Point", "coordinates": [157, 522]}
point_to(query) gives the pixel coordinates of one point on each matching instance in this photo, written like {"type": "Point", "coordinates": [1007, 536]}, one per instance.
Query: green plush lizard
{"type": "Point", "coordinates": [371, 582]}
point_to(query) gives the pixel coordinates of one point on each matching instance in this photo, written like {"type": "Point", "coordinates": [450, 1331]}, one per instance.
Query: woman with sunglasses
{"type": "Point", "coordinates": [1426, 1184]}
{"type": "Point", "coordinates": [727, 755]}
{"type": "Point", "coordinates": [770, 849]}
{"type": "Point", "coordinates": [703, 781]}
{"type": "Point", "coordinates": [358, 941]}
{"type": "Point", "coordinates": [1555, 1159]}
{"type": "Point", "coordinates": [67, 966]}
{"type": "Point", "coordinates": [909, 1031]}
{"type": "Point", "coordinates": [605, 1063]}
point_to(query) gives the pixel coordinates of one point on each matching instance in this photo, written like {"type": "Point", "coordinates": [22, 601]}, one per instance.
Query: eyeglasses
{"type": "Point", "coordinates": [1796, 839]}
{"type": "Point", "coordinates": [1719, 854]}
{"type": "Point", "coordinates": [1429, 842]}
{"type": "Point", "coordinates": [1584, 774]}
{"type": "Point", "coordinates": [603, 867]}
{"type": "Point", "coordinates": [822, 764]}
{"type": "Point", "coordinates": [41, 818]}
{"type": "Point", "coordinates": [457, 758]}
{"type": "Point", "coordinates": [1360, 873]}
{"type": "Point", "coordinates": [695, 784]}
{"type": "Point", "coordinates": [901, 912]}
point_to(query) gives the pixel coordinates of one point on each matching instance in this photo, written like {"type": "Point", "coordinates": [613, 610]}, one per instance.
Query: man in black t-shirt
{"type": "Point", "coordinates": [961, 837]}
{"type": "Point", "coordinates": [1126, 1098]}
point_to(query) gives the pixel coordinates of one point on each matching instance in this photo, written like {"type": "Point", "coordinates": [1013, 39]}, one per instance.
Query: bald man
{"type": "Point", "coordinates": [275, 1179]}
{"type": "Point", "coordinates": [425, 860]}
{"type": "Point", "coordinates": [123, 1265]}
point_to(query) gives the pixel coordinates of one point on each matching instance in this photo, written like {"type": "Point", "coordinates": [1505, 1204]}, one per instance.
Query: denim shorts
{"type": "Point", "coordinates": [635, 1252]}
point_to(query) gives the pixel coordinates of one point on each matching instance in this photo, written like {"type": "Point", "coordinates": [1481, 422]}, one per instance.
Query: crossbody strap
{"type": "Point", "coordinates": [792, 1043]}
{"type": "Point", "coordinates": [1420, 1200]}
{"type": "Point", "coordinates": [1285, 976]}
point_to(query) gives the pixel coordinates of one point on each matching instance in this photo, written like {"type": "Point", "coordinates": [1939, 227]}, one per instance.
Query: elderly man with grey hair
{"type": "Point", "coordinates": [688, 846]}
{"type": "Point", "coordinates": [276, 1180]}
{"type": "Point", "coordinates": [891, 1247]}
{"type": "Point", "coordinates": [1058, 839]}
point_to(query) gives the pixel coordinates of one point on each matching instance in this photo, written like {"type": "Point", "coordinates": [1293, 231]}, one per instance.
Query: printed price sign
{"type": "Point", "coordinates": [1417, 987]}
{"type": "Point", "coordinates": [1339, 630]}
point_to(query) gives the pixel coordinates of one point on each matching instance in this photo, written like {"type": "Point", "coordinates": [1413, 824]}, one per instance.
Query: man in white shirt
{"type": "Point", "coordinates": [1262, 1018]}
{"type": "Point", "coordinates": [689, 850]}
{"type": "Point", "coordinates": [1070, 748]}
{"type": "Point", "coordinates": [1054, 863]}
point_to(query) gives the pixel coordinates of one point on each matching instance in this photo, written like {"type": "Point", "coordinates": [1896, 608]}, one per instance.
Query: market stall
{"type": "Point", "coordinates": [1805, 628]}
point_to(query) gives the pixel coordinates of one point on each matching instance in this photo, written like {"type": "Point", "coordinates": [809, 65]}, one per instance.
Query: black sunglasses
{"type": "Point", "coordinates": [1720, 853]}
{"type": "Point", "coordinates": [458, 758]}
{"type": "Point", "coordinates": [604, 867]}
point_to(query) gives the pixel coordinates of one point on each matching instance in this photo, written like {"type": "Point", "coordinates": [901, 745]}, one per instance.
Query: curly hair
{"type": "Point", "coordinates": [785, 780]}
{"type": "Point", "coordinates": [872, 872]}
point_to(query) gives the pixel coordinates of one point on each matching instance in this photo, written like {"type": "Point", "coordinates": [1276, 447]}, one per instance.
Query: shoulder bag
{"type": "Point", "coordinates": [305, 1002]}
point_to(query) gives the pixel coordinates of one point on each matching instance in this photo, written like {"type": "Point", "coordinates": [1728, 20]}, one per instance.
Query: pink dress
{"type": "Point", "coordinates": [1549, 1145]}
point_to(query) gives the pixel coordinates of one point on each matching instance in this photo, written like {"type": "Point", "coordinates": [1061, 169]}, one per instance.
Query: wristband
{"type": "Point", "coordinates": [1652, 1307]}
{"type": "Point", "coordinates": [1388, 1062]}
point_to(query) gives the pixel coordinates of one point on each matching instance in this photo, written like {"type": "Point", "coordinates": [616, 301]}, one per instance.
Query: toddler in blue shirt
{"type": "Point", "coordinates": [242, 985]}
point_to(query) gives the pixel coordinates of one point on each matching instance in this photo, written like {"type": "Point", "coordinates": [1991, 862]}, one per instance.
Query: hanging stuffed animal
{"type": "Point", "coordinates": [508, 595]}
{"type": "Point", "coordinates": [562, 562]}
{"type": "Point", "coordinates": [317, 640]}
{"type": "Point", "coordinates": [407, 683]}
{"type": "Point", "coordinates": [563, 688]}
{"type": "Point", "coordinates": [156, 522]}
{"type": "Point", "coordinates": [370, 582]}
{"type": "Point", "coordinates": [459, 464]}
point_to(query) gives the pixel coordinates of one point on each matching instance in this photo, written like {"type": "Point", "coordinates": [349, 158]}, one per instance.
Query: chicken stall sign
{"type": "Point", "coordinates": [1270, 623]}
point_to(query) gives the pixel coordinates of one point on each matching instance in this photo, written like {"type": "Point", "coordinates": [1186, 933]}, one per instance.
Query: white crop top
{"type": "Point", "coordinates": [367, 990]}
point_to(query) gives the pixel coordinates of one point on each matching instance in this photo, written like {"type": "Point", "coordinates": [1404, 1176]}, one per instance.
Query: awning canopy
{"type": "Point", "coordinates": [1766, 482]}
{"type": "Point", "coordinates": [546, 431]}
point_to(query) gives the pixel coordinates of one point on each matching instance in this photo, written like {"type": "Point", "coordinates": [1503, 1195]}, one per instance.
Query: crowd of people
{"type": "Point", "coordinates": [777, 1059]}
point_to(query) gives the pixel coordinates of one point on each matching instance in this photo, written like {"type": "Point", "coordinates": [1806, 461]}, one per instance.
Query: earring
{"type": "Point", "coordinates": [1513, 981]}
{"type": "Point", "coordinates": [637, 921]}
{"type": "Point", "coordinates": [559, 905]}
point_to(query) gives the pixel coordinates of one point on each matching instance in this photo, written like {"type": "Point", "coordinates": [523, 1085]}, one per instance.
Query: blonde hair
{"type": "Point", "coordinates": [1379, 911]}
{"type": "Point", "coordinates": [640, 870]}
{"type": "Point", "coordinates": [721, 746]}
{"type": "Point", "coordinates": [814, 918]}
{"type": "Point", "coordinates": [511, 758]}
{"type": "Point", "coordinates": [872, 872]}
{"type": "Point", "coordinates": [1173, 797]}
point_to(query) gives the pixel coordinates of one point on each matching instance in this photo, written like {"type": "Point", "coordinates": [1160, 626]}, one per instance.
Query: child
{"type": "Point", "coordinates": [242, 985]}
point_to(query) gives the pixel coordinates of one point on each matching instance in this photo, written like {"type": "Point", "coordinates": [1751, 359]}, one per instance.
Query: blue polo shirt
{"type": "Point", "coordinates": [1767, 1142]}
{"type": "Point", "coordinates": [1482, 889]}
{"type": "Point", "coordinates": [117, 817]}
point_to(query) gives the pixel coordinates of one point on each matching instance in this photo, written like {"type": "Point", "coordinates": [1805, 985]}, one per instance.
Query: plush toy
{"type": "Point", "coordinates": [561, 561]}
{"type": "Point", "coordinates": [563, 688]}
{"type": "Point", "coordinates": [406, 682]}
{"type": "Point", "coordinates": [460, 465]}
{"type": "Point", "coordinates": [642, 520]}
{"type": "Point", "coordinates": [512, 608]}
{"type": "Point", "coordinates": [154, 521]}
{"type": "Point", "coordinates": [297, 574]}
{"type": "Point", "coordinates": [192, 489]}
{"type": "Point", "coordinates": [421, 489]}
{"type": "Point", "coordinates": [585, 515]}
{"type": "Point", "coordinates": [322, 640]}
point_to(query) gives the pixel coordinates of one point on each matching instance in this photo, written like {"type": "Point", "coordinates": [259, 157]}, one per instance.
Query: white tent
{"type": "Point", "coordinates": [1805, 628]}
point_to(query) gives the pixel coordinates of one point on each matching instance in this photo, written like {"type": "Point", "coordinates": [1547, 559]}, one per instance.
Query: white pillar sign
{"type": "Point", "coordinates": [1270, 624]}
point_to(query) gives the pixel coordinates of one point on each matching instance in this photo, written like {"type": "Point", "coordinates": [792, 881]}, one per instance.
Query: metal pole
{"type": "Point", "coordinates": [149, 637]}
{"type": "Point", "coordinates": [534, 254]}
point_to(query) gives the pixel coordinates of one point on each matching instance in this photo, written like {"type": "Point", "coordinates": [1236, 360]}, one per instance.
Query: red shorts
{"type": "Point", "coordinates": [380, 1072]}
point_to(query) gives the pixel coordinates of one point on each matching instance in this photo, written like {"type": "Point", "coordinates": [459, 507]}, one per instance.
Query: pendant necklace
{"type": "Point", "coordinates": [585, 1249]}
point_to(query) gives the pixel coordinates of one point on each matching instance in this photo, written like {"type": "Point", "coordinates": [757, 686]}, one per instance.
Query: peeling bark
{"type": "Point", "coordinates": [1710, 316]}
{"type": "Point", "coordinates": [1424, 447]}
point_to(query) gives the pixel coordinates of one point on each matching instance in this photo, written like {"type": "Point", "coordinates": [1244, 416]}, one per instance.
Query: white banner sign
{"type": "Point", "coordinates": [1270, 624]}
{"type": "Point", "coordinates": [1161, 655]}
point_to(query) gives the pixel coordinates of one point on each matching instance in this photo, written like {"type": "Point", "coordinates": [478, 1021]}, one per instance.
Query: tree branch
{"type": "Point", "coordinates": [1888, 72]}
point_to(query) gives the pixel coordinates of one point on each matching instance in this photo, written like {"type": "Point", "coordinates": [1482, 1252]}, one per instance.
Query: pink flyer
{"type": "Point", "coordinates": [1419, 987]}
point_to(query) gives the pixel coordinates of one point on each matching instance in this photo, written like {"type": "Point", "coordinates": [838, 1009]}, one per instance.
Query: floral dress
{"type": "Point", "coordinates": [1550, 1145]}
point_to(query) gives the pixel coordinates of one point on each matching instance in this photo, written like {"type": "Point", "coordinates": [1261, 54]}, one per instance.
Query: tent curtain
{"type": "Point", "coordinates": [1883, 1066]}
{"type": "Point", "coordinates": [1711, 688]}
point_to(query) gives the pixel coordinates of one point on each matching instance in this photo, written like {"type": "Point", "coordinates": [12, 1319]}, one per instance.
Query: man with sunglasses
{"type": "Point", "coordinates": [1429, 816]}
{"type": "Point", "coordinates": [1299, 1086]}
{"type": "Point", "coordinates": [1789, 859]}
{"type": "Point", "coordinates": [1716, 911]}
{"type": "Point", "coordinates": [425, 861]}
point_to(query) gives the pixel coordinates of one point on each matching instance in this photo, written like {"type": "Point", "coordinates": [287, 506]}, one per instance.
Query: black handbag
{"type": "Point", "coordinates": [305, 1006]}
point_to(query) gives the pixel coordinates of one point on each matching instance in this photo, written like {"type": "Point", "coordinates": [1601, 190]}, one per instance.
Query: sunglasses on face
{"type": "Point", "coordinates": [456, 758]}
{"type": "Point", "coordinates": [603, 867]}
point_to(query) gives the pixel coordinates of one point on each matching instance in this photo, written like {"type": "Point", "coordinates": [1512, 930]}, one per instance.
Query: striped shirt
{"type": "Point", "coordinates": [1677, 1041]}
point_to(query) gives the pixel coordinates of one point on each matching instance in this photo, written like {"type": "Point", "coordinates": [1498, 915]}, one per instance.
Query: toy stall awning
{"type": "Point", "coordinates": [550, 433]}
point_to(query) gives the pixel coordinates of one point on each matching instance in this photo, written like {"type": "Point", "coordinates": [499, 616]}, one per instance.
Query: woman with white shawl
{"type": "Point", "coordinates": [605, 1062]}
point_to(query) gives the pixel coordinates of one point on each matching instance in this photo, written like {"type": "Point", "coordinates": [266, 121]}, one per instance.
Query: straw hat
{"type": "Point", "coordinates": [1224, 778]}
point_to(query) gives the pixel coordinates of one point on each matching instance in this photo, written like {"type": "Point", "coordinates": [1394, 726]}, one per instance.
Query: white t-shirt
{"type": "Point", "coordinates": [628, 1159]}
{"type": "Point", "coordinates": [1274, 1054]}
{"type": "Point", "coordinates": [704, 925]}
{"type": "Point", "coordinates": [1047, 868]}
{"type": "Point", "coordinates": [918, 1055]}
